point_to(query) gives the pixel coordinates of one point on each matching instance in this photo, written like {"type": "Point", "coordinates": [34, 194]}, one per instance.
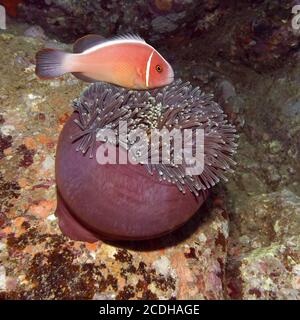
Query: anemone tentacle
{"type": "Point", "coordinates": [176, 106]}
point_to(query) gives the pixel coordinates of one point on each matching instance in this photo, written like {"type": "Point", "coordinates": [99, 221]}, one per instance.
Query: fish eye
{"type": "Point", "coordinates": [159, 68]}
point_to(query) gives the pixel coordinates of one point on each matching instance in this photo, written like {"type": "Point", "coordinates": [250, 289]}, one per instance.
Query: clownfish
{"type": "Point", "coordinates": [127, 61]}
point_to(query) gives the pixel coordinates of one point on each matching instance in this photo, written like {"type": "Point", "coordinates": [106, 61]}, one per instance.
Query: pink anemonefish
{"type": "Point", "coordinates": [127, 61]}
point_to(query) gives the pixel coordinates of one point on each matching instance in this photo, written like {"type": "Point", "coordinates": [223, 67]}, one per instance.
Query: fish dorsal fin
{"type": "Point", "coordinates": [87, 42]}
{"type": "Point", "coordinates": [128, 36]}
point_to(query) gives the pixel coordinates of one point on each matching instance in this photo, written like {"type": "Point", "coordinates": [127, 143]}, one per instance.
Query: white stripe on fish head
{"type": "Point", "coordinates": [148, 68]}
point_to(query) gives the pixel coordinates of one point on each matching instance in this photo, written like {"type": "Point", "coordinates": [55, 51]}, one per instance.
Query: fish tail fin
{"type": "Point", "coordinates": [50, 63]}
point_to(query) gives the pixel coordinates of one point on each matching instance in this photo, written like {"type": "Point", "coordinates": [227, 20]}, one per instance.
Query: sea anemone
{"type": "Point", "coordinates": [143, 200]}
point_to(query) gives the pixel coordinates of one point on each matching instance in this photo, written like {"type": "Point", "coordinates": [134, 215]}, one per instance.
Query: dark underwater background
{"type": "Point", "coordinates": [244, 243]}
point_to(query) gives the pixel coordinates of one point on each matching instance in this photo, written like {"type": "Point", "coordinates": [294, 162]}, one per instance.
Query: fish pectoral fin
{"type": "Point", "coordinates": [81, 76]}
{"type": "Point", "coordinates": [139, 72]}
{"type": "Point", "coordinates": [139, 81]}
{"type": "Point", "coordinates": [87, 42]}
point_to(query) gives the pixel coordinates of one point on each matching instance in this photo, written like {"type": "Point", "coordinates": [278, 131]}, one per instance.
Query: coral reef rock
{"type": "Point", "coordinates": [265, 262]}
{"type": "Point", "coordinates": [258, 34]}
